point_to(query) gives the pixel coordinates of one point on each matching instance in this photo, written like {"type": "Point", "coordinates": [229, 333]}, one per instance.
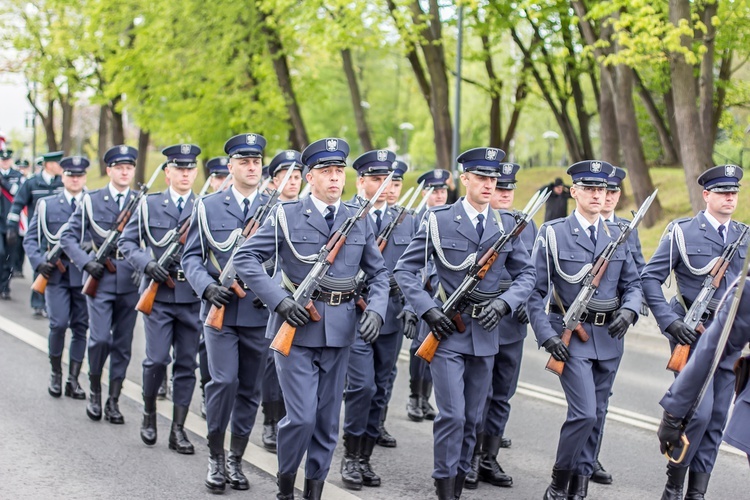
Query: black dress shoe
{"type": "Point", "coordinates": [505, 442]}
{"type": "Point", "coordinates": [94, 406]}
{"type": "Point", "coordinates": [55, 378]}
{"type": "Point", "coordinates": [112, 408]}
{"type": "Point", "coordinates": [235, 477]}
{"type": "Point", "coordinates": [414, 406]}
{"type": "Point", "coordinates": [72, 387]}
{"type": "Point", "coordinates": [269, 437]}
{"type": "Point", "coordinates": [489, 470]}
{"type": "Point", "coordinates": [600, 475]}
{"type": "Point", "coordinates": [215, 479]}
{"type": "Point", "coordinates": [178, 440]}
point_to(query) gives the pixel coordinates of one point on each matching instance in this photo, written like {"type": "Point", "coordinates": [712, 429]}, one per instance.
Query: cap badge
{"type": "Point", "coordinates": [251, 139]}
{"type": "Point", "coordinates": [729, 170]}
{"type": "Point", "coordinates": [332, 144]}
{"type": "Point", "coordinates": [490, 154]}
{"type": "Point", "coordinates": [507, 168]}
{"type": "Point", "coordinates": [123, 150]}
{"type": "Point", "coordinates": [76, 160]}
{"type": "Point", "coordinates": [382, 155]}
{"type": "Point", "coordinates": [439, 174]}
{"type": "Point", "coordinates": [185, 149]}
{"type": "Point", "coordinates": [290, 155]}
{"type": "Point", "coordinates": [596, 167]}
{"type": "Point", "coordinates": [223, 161]}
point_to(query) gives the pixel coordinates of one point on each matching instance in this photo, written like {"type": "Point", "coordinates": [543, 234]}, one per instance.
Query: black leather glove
{"type": "Point", "coordinates": [156, 272]}
{"type": "Point", "coordinates": [94, 269]}
{"type": "Point", "coordinates": [217, 295]}
{"type": "Point", "coordinates": [619, 325]}
{"type": "Point", "coordinates": [440, 324]}
{"type": "Point", "coordinates": [521, 315]}
{"type": "Point", "coordinates": [45, 269]}
{"type": "Point", "coordinates": [369, 326]}
{"type": "Point", "coordinates": [257, 303]}
{"type": "Point", "coordinates": [409, 322]}
{"type": "Point", "coordinates": [292, 312]}
{"type": "Point", "coordinates": [493, 310]}
{"type": "Point", "coordinates": [682, 333]}
{"type": "Point", "coordinates": [670, 433]}
{"type": "Point", "coordinates": [557, 348]}
{"type": "Point", "coordinates": [11, 237]}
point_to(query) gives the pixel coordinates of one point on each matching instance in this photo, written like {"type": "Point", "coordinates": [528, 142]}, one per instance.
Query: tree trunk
{"type": "Point", "coordinates": [144, 138]}
{"type": "Point", "coordinates": [67, 125]}
{"type": "Point", "coordinates": [297, 130]}
{"type": "Point", "coordinates": [103, 144]}
{"type": "Point", "coordinates": [725, 73]}
{"type": "Point", "coordinates": [363, 131]}
{"type": "Point", "coordinates": [667, 146]}
{"type": "Point", "coordinates": [118, 130]}
{"type": "Point", "coordinates": [695, 157]}
{"type": "Point", "coordinates": [608, 132]}
{"type": "Point", "coordinates": [706, 80]}
{"type": "Point", "coordinates": [632, 148]}
{"type": "Point", "coordinates": [48, 121]}
{"type": "Point", "coordinates": [521, 92]}
{"type": "Point", "coordinates": [669, 107]}
{"type": "Point", "coordinates": [495, 90]}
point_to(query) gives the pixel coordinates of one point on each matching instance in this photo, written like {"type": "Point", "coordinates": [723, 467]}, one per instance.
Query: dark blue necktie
{"type": "Point", "coordinates": [721, 229]}
{"type": "Point", "coordinates": [73, 204]}
{"type": "Point", "coordinates": [480, 226]}
{"type": "Point", "coordinates": [179, 204]}
{"type": "Point", "coordinates": [245, 207]}
{"type": "Point", "coordinates": [329, 216]}
{"type": "Point", "coordinates": [118, 199]}
{"type": "Point", "coordinates": [378, 219]}
{"type": "Point", "coordinates": [592, 234]}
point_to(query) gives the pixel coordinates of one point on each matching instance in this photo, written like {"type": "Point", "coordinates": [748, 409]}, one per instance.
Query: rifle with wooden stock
{"type": "Point", "coordinates": [282, 342]}
{"type": "Point", "coordinates": [590, 283]}
{"type": "Point", "coordinates": [697, 312]}
{"type": "Point", "coordinates": [110, 242]}
{"type": "Point", "coordinates": [228, 276]}
{"type": "Point", "coordinates": [53, 256]}
{"type": "Point", "coordinates": [459, 299]}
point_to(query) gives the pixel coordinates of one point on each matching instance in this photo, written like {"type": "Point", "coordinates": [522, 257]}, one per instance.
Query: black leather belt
{"type": "Point", "coordinates": [178, 275]}
{"type": "Point", "coordinates": [597, 318]}
{"type": "Point", "coordinates": [473, 310]}
{"type": "Point", "coordinates": [333, 298]}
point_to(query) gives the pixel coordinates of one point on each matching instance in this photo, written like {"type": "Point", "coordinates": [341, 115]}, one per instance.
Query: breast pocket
{"type": "Point", "coordinates": [699, 254]}
{"type": "Point", "coordinates": [355, 244]}
{"type": "Point", "coordinates": [158, 226]}
{"type": "Point", "coordinates": [571, 261]}
{"type": "Point", "coordinates": [104, 220]}
{"type": "Point", "coordinates": [614, 269]}
{"type": "Point", "coordinates": [306, 242]}
{"type": "Point", "coordinates": [455, 249]}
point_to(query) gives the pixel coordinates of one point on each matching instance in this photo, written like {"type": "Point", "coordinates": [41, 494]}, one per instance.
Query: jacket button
{"type": "Point", "coordinates": [454, 245]}
{"type": "Point", "coordinates": [304, 237]}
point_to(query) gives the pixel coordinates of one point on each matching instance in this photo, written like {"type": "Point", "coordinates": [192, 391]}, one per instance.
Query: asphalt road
{"type": "Point", "coordinates": [50, 449]}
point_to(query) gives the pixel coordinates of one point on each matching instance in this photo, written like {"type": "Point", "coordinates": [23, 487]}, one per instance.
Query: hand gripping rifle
{"type": "Point", "coordinates": [282, 342]}
{"type": "Point", "coordinates": [381, 241]}
{"type": "Point", "coordinates": [53, 256]}
{"type": "Point", "coordinates": [695, 316]}
{"type": "Point", "coordinates": [228, 276]}
{"type": "Point", "coordinates": [459, 299]}
{"type": "Point", "coordinates": [718, 354]}
{"type": "Point", "coordinates": [576, 311]}
{"type": "Point", "coordinates": [109, 245]}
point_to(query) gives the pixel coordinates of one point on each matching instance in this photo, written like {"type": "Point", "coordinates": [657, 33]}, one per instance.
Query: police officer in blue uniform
{"type": "Point", "coordinates": [273, 399]}
{"type": "Point", "coordinates": [684, 391]}
{"type": "Point", "coordinates": [10, 183]}
{"type": "Point", "coordinates": [312, 376]}
{"type": "Point", "coordinates": [456, 236]}
{"type": "Point", "coordinates": [44, 184]}
{"type": "Point", "coordinates": [112, 312]}
{"type": "Point", "coordinates": [371, 363]}
{"type": "Point", "coordinates": [507, 364]}
{"type": "Point", "coordinates": [237, 352]}
{"type": "Point", "coordinates": [173, 323]}
{"type": "Point", "coordinates": [218, 170]}
{"type": "Point", "coordinates": [418, 408]}
{"type": "Point", "coordinates": [65, 302]}
{"type": "Point", "coordinates": [562, 255]}
{"type": "Point", "coordinates": [19, 256]}
{"type": "Point", "coordinates": [688, 250]}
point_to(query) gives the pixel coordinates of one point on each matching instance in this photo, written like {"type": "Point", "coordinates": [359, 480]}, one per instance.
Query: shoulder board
{"type": "Point", "coordinates": [439, 209]}
{"type": "Point", "coordinates": [351, 204]}
{"type": "Point", "coordinates": [289, 202]}
{"type": "Point", "coordinates": [158, 193]}
{"type": "Point", "coordinates": [679, 221]}
{"type": "Point", "coordinates": [555, 221]}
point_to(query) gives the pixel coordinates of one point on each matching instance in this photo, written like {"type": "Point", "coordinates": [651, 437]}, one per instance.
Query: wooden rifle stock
{"type": "Point", "coordinates": [60, 266]}
{"type": "Point", "coordinates": [556, 366]}
{"type": "Point", "coordinates": [680, 354]}
{"type": "Point", "coordinates": [381, 244]}
{"type": "Point", "coordinates": [90, 286]}
{"type": "Point", "coordinates": [146, 302]}
{"type": "Point", "coordinates": [237, 289]}
{"type": "Point", "coordinates": [361, 304]}
{"type": "Point", "coordinates": [40, 284]}
{"type": "Point", "coordinates": [428, 348]}
{"type": "Point", "coordinates": [215, 317]}
{"type": "Point", "coordinates": [282, 342]}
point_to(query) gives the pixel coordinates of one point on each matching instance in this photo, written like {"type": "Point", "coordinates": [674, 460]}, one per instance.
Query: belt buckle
{"type": "Point", "coordinates": [476, 310]}
{"type": "Point", "coordinates": [600, 319]}
{"type": "Point", "coordinates": [180, 275]}
{"type": "Point", "coordinates": [335, 298]}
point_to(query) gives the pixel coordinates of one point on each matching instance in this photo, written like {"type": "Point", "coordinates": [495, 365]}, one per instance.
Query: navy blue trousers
{"type": "Point", "coordinates": [111, 321]}
{"type": "Point", "coordinates": [66, 308]}
{"type": "Point", "coordinates": [505, 371]}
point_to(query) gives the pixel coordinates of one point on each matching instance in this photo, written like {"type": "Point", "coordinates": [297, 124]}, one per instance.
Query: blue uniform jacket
{"type": "Point", "coordinates": [223, 215]}
{"type": "Point", "coordinates": [308, 233]}
{"type": "Point", "coordinates": [511, 330]}
{"type": "Point", "coordinates": [702, 243]}
{"type": "Point", "coordinates": [685, 388]}
{"type": "Point", "coordinates": [10, 184]}
{"type": "Point", "coordinates": [458, 239]}
{"type": "Point", "coordinates": [162, 217]}
{"type": "Point", "coordinates": [575, 250]}
{"type": "Point", "coordinates": [29, 194]}
{"type": "Point", "coordinates": [57, 211]}
{"type": "Point", "coordinates": [104, 211]}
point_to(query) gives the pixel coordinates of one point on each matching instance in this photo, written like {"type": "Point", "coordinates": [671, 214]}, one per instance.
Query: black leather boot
{"type": "Point", "coordinates": [558, 488]}
{"type": "Point", "coordinates": [578, 487]}
{"type": "Point", "coordinates": [148, 426]}
{"type": "Point", "coordinates": [55, 378]}
{"type": "Point", "coordinates": [178, 440]}
{"type": "Point", "coordinates": [236, 478]}
{"type": "Point", "coordinates": [94, 406]}
{"type": "Point", "coordinates": [472, 478]}
{"type": "Point", "coordinates": [215, 479]}
{"type": "Point", "coordinates": [350, 472]}
{"type": "Point", "coordinates": [414, 406]}
{"type": "Point", "coordinates": [369, 478]}
{"type": "Point", "coordinates": [72, 387]}
{"type": "Point", "coordinates": [429, 412]}
{"type": "Point", "coordinates": [384, 438]}
{"type": "Point", "coordinates": [112, 408]}
{"type": "Point", "coordinates": [600, 475]}
{"type": "Point", "coordinates": [674, 488]}
{"type": "Point", "coordinates": [697, 485]}
{"type": "Point", "coordinates": [489, 470]}
{"type": "Point", "coordinates": [458, 485]}
{"type": "Point", "coordinates": [270, 422]}
{"type": "Point", "coordinates": [313, 489]}
{"type": "Point", "coordinates": [285, 483]}
{"type": "Point", "coordinates": [445, 488]}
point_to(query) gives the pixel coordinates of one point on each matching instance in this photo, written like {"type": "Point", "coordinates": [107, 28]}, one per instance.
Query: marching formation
{"type": "Point", "coordinates": [296, 301]}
